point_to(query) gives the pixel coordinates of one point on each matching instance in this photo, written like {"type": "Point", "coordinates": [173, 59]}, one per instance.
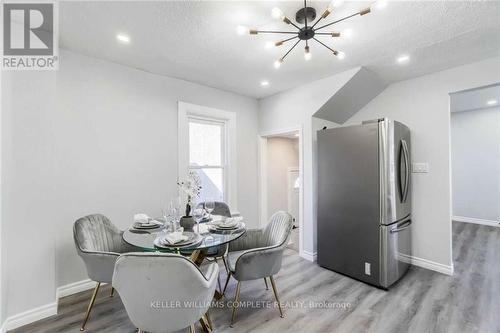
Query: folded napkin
{"type": "Point", "coordinates": [141, 218]}
{"type": "Point", "coordinates": [175, 237]}
{"type": "Point", "coordinates": [203, 228]}
{"type": "Point", "coordinates": [228, 223]}
{"type": "Point", "coordinates": [218, 218]}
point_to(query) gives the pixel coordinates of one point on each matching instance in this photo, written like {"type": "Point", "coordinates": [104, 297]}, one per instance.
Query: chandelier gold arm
{"type": "Point", "coordinates": [328, 47]}
{"type": "Point", "coordinates": [279, 43]}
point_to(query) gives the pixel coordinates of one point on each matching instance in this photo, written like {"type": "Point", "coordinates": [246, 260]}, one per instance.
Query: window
{"type": "Point", "coordinates": [207, 145]}
{"type": "Point", "coordinates": [207, 156]}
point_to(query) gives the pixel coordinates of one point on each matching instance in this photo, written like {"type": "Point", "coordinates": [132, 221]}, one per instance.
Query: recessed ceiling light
{"type": "Point", "coordinates": [264, 83]}
{"type": "Point", "coordinates": [122, 38]}
{"type": "Point", "coordinates": [492, 102]}
{"type": "Point", "coordinates": [403, 59]}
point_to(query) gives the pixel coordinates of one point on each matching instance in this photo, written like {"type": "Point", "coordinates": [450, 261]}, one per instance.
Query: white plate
{"type": "Point", "coordinates": [145, 225]}
{"type": "Point", "coordinates": [222, 227]}
{"type": "Point", "coordinates": [193, 239]}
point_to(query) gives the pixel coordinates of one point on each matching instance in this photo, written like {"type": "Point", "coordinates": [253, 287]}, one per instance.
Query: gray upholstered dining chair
{"type": "Point", "coordinates": [99, 243]}
{"type": "Point", "coordinates": [164, 291]}
{"type": "Point", "coordinates": [258, 254]}
{"type": "Point", "coordinates": [219, 252]}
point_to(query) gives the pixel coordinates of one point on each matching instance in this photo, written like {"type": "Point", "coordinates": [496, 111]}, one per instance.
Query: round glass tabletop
{"type": "Point", "coordinates": [144, 238]}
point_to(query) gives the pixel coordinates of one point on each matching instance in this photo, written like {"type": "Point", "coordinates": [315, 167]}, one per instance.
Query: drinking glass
{"type": "Point", "coordinates": [198, 216]}
{"type": "Point", "coordinates": [209, 207]}
{"type": "Point", "coordinates": [166, 217]}
{"type": "Point", "coordinates": [175, 212]}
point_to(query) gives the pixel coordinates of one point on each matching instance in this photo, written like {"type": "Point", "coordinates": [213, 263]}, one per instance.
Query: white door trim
{"type": "Point", "coordinates": [290, 187]}
{"type": "Point", "coordinates": [262, 145]}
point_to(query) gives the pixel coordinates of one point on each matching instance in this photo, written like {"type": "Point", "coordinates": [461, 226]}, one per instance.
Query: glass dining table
{"type": "Point", "coordinates": [144, 239]}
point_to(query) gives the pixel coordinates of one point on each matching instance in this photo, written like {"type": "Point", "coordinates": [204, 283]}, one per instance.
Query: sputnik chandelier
{"type": "Point", "coordinates": [306, 16]}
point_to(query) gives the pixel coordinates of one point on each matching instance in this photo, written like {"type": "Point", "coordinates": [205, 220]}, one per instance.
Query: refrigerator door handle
{"type": "Point", "coordinates": [406, 224]}
{"type": "Point", "coordinates": [406, 156]}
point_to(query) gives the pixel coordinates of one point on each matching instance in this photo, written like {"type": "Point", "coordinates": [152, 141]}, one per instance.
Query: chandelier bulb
{"type": "Point", "coordinates": [307, 54]}
{"type": "Point", "coordinates": [277, 13]}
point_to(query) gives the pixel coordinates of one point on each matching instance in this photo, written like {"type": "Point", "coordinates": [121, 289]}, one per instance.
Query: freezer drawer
{"type": "Point", "coordinates": [395, 248]}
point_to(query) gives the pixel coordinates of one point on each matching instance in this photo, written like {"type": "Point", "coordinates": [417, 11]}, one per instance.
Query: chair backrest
{"type": "Point", "coordinates": [278, 229]}
{"type": "Point", "coordinates": [163, 292]}
{"type": "Point", "coordinates": [221, 208]}
{"type": "Point", "coordinates": [96, 233]}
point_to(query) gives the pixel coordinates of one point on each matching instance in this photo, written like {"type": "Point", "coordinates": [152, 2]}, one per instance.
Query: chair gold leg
{"type": "Point", "coordinates": [235, 304]}
{"type": "Point", "coordinates": [91, 304]}
{"type": "Point", "coordinates": [227, 281]}
{"type": "Point", "coordinates": [112, 292]}
{"type": "Point", "coordinates": [191, 329]}
{"type": "Point", "coordinates": [225, 265]}
{"type": "Point", "coordinates": [209, 320]}
{"type": "Point", "coordinates": [265, 281]}
{"type": "Point", "coordinates": [205, 324]}
{"type": "Point", "coordinates": [276, 295]}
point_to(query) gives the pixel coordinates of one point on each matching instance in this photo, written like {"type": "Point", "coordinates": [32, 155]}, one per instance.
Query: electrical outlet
{"type": "Point", "coordinates": [368, 268]}
{"type": "Point", "coordinates": [420, 167]}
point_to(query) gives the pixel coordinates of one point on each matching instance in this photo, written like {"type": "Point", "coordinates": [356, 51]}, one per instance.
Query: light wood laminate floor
{"type": "Point", "coordinates": [423, 301]}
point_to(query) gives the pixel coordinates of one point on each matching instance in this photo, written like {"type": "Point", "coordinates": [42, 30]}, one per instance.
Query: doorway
{"type": "Point", "coordinates": [475, 155]}
{"type": "Point", "coordinates": [281, 179]}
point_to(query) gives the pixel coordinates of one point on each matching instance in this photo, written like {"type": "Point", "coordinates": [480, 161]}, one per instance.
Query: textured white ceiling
{"type": "Point", "coordinates": [475, 99]}
{"type": "Point", "coordinates": [197, 41]}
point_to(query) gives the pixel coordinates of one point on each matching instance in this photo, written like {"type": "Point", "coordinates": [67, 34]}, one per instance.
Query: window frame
{"type": "Point", "coordinates": [224, 164]}
{"type": "Point", "coordinates": [187, 111]}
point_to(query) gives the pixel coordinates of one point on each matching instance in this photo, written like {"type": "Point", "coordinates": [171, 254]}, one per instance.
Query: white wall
{"type": "Point", "coordinates": [28, 185]}
{"type": "Point", "coordinates": [294, 108]}
{"type": "Point", "coordinates": [423, 104]}
{"type": "Point", "coordinates": [475, 163]}
{"type": "Point", "coordinates": [282, 154]}
{"type": "Point", "coordinates": [94, 137]}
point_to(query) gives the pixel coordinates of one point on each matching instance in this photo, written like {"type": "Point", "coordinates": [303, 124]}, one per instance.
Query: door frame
{"type": "Point", "coordinates": [262, 154]}
{"type": "Point", "coordinates": [289, 195]}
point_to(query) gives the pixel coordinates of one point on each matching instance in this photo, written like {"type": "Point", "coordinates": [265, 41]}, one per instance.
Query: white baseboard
{"type": "Point", "coordinates": [74, 288]}
{"type": "Point", "coordinates": [310, 256]}
{"type": "Point", "coordinates": [490, 223]}
{"type": "Point", "coordinates": [30, 316]}
{"type": "Point", "coordinates": [432, 265]}
{"type": "Point", "coordinates": [47, 310]}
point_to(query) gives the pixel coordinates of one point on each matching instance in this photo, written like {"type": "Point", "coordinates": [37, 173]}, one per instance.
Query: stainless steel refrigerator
{"type": "Point", "coordinates": [364, 201]}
